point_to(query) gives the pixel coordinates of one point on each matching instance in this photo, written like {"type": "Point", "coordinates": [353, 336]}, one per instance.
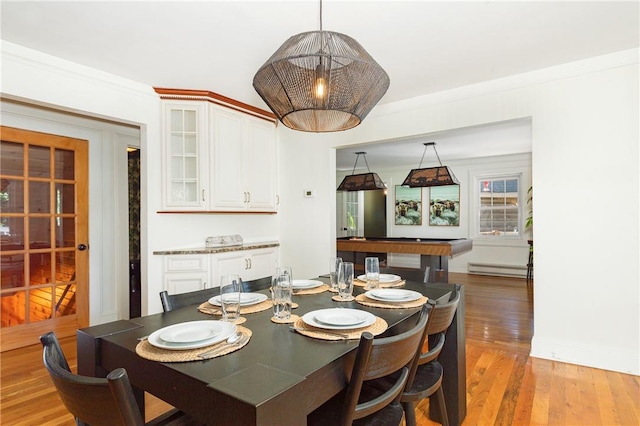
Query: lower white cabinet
{"type": "Point", "coordinates": [186, 272]}
{"type": "Point", "coordinates": [249, 265]}
{"type": "Point", "coordinates": [190, 272]}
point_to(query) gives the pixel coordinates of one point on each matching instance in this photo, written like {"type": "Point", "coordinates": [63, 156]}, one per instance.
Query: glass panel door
{"type": "Point", "coordinates": [353, 219]}
{"type": "Point", "coordinates": [41, 228]}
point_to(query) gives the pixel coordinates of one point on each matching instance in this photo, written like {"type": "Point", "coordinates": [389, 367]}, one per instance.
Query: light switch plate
{"type": "Point", "coordinates": [309, 193]}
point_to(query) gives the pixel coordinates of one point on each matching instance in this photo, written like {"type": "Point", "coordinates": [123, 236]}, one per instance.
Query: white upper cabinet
{"type": "Point", "coordinates": [185, 156]}
{"type": "Point", "coordinates": [217, 159]}
{"type": "Point", "coordinates": [228, 139]}
{"type": "Point", "coordinates": [260, 160]}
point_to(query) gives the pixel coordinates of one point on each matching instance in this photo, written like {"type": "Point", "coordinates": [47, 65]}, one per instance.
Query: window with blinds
{"type": "Point", "coordinates": [499, 200]}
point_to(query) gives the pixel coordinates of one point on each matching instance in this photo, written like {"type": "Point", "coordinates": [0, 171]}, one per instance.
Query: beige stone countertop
{"type": "Point", "coordinates": [214, 250]}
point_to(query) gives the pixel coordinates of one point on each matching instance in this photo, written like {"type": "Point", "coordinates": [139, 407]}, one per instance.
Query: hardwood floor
{"type": "Point", "coordinates": [504, 385]}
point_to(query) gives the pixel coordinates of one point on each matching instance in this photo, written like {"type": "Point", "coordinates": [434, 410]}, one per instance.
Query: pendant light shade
{"type": "Point", "coordinates": [431, 176]}
{"type": "Point", "coordinates": [321, 81]}
{"type": "Point", "coordinates": [363, 181]}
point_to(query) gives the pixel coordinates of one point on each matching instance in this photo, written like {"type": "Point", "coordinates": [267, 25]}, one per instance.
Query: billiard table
{"type": "Point", "coordinates": [434, 253]}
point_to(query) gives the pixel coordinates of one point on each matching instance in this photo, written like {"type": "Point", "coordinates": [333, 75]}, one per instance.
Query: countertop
{"type": "Point", "coordinates": [221, 249]}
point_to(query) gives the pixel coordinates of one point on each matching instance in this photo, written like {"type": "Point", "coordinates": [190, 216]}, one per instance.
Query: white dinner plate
{"type": "Point", "coordinates": [220, 330]}
{"type": "Point", "coordinates": [246, 299]}
{"type": "Point", "coordinates": [384, 278]}
{"type": "Point", "coordinates": [393, 295]}
{"type": "Point", "coordinates": [185, 333]}
{"type": "Point", "coordinates": [304, 284]}
{"type": "Point", "coordinates": [342, 318]}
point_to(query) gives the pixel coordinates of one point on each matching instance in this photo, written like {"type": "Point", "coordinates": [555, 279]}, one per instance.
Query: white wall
{"type": "Point", "coordinates": [585, 150]}
{"type": "Point", "coordinates": [584, 129]}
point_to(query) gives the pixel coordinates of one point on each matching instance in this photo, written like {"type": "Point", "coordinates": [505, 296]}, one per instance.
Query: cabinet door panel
{"type": "Point", "coordinates": [263, 263]}
{"type": "Point", "coordinates": [184, 282]}
{"type": "Point", "coordinates": [227, 142]}
{"type": "Point", "coordinates": [229, 263]}
{"type": "Point", "coordinates": [185, 154]}
{"type": "Point", "coordinates": [261, 165]}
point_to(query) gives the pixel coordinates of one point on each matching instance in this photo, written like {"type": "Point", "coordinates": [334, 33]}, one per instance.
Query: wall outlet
{"type": "Point", "coordinates": [309, 193]}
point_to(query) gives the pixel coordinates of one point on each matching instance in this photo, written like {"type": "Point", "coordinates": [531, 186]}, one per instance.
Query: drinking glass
{"type": "Point", "coordinates": [345, 280]}
{"type": "Point", "coordinates": [281, 294]}
{"type": "Point", "coordinates": [285, 270]}
{"type": "Point", "coordinates": [334, 267]}
{"type": "Point", "coordinates": [372, 271]}
{"type": "Point", "coordinates": [230, 289]}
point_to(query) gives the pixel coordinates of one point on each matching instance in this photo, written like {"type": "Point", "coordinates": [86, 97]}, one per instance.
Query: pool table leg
{"type": "Point", "coordinates": [438, 267]}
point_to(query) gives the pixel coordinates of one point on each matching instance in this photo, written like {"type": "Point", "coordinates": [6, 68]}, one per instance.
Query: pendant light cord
{"type": "Point", "coordinates": [426, 146]}
{"type": "Point", "coordinates": [364, 155]}
{"type": "Point", "coordinates": [320, 15]}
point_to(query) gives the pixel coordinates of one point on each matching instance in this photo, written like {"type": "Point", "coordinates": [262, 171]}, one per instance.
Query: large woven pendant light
{"type": "Point", "coordinates": [321, 81]}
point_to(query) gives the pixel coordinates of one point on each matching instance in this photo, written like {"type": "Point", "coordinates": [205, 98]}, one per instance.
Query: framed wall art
{"type": "Point", "coordinates": [444, 205]}
{"type": "Point", "coordinates": [408, 205]}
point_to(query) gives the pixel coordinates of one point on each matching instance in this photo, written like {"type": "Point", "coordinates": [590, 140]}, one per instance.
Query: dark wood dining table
{"type": "Point", "coordinates": [276, 379]}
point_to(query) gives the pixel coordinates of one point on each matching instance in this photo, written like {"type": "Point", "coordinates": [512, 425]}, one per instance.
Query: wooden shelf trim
{"type": "Point", "coordinates": [215, 98]}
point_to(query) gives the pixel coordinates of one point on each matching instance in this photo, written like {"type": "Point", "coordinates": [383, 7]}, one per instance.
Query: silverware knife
{"type": "Point", "coordinates": [218, 349]}
{"type": "Point", "coordinates": [331, 333]}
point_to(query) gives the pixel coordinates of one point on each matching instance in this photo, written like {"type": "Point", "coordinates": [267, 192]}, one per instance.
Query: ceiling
{"type": "Point", "coordinates": [425, 46]}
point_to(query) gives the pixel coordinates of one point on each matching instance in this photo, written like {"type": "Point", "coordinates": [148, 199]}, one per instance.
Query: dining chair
{"type": "Point", "coordinates": [361, 404]}
{"type": "Point", "coordinates": [425, 378]}
{"type": "Point", "coordinates": [175, 301]}
{"type": "Point", "coordinates": [99, 401]}
{"type": "Point", "coordinates": [256, 285]}
{"type": "Point", "coordinates": [406, 273]}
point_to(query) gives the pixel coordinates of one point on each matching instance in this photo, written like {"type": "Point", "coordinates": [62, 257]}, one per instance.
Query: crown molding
{"type": "Point", "coordinates": [215, 98]}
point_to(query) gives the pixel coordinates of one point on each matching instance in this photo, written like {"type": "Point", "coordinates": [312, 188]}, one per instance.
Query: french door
{"type": "Point", "coordinates": [43, 236]}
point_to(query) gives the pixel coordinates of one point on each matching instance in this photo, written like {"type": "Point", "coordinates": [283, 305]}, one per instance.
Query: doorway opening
{"type": "Point", "coordinates": [135, 281]}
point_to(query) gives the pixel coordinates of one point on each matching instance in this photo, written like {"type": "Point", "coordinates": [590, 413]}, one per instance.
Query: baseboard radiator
{"type": "Point", "coordinates": [519, 271]}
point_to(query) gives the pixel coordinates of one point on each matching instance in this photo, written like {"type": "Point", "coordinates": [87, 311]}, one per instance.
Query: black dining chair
{"type": "Point", "coordinates": [425, 379]}
{"type": "Point", "coordinates": [99, 401]}
{"type": "Point", "coordinates": [175, 301]}
{"type": "Point", "coordinates": [361, 404]}
{"type": "Point", "coordinates": [256, 285]}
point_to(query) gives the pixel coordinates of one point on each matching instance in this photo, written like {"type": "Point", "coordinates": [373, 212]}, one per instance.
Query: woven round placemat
{"type": "Point", "coordinates": [208, 308]}
{"type": "Point", "coordinates": [337, 298]}
{"type": "Point", "coordinates": [393, 284]}
{"type": "Point", "coordinates": [292, 318]}
{"type": "Point", "coordinates": [315, 290]}
{"type": "Point", "coordinates": [376, 328]}
{"type": "Point", "coordinates": [364, 300]}
{"type": "Point", "coordinates": [148, 351]}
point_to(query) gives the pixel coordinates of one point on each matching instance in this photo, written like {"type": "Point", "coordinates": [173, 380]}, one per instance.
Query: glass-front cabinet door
{"type": "Point", "coordinates": [185, 174]}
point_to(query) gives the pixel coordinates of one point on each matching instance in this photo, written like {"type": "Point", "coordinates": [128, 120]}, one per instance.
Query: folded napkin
{"type": "Point", "coordinates": [146, 350]}
{"type": "Point", "coordinates": [364, 300]}
{"type": "Point", "coordinates": [378, 327]}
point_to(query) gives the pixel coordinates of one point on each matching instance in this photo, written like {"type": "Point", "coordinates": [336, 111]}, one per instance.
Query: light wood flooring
{"type": "Point", "coordinates": [504, 385]}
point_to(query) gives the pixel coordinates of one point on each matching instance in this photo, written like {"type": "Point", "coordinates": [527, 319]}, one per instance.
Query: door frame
{"type": "Point", "coordinates": [108, 187]}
